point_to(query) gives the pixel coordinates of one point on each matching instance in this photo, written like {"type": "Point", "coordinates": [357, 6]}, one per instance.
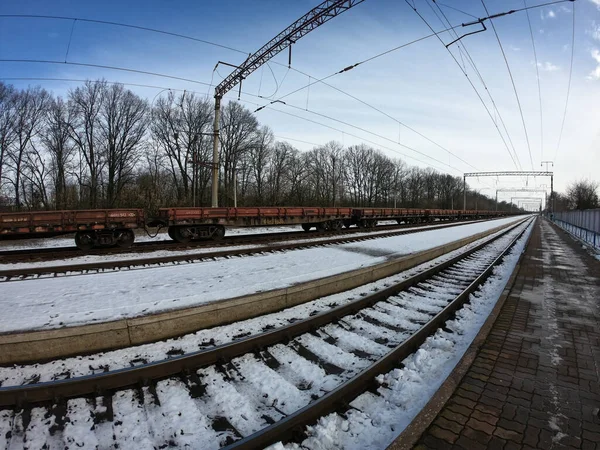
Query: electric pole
{"type": "Point", "coordinates": [304, 25]}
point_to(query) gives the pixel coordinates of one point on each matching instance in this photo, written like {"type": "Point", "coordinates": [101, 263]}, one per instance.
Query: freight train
{"type": "Point", "coordinates": [115, 227]}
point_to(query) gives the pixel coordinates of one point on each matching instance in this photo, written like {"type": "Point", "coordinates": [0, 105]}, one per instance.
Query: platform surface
{"type": "Point", "coordinates": [535, 384]}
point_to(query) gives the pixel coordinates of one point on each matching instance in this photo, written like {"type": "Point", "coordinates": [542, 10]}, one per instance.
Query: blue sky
{"type": "Point", "coordinates": [420, 85]}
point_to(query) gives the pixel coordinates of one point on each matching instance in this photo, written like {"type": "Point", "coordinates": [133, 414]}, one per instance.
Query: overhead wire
{"type": "Point", "coordinates": [468, 79]}
{"type": "Point", "coordinates": [120, 24]}
{"type": "Point", "coordinates": [101, 66]}
{"type": "Point", "coordinates": [512, 80]}
{"type": "Point", "coordinates": [322, 80]}
{"type": "Point", "coordinates": [562, 126]}
{"type": "Point", "coordinates": [482, 81]}
{"type": "Point", "coordinates": [537, 73]}
{"type": "Point", "coordinates": [367, 131]}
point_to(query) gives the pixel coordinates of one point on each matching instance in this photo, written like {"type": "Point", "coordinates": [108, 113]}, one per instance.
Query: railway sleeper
{"type": "Point", "coordinates": [121, 237]}
{"type": "Point", "coordinates": [187, 233]}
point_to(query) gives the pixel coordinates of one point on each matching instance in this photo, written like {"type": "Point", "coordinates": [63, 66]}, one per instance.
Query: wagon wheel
{"type": "Point", "coordinates": [336, 225]}
{"type": "Point", "coordinates": [306, 226]}
{"type": "Point", "coordinates": [125, 239]}
{"type": "Point", "coordinates": [320, 227]}
{"type": "Point", "coordinates": [218, 234]}
{"type": "Point", "coordinates": [181, 234]}
{"type": "Point", "coordinates": [84, 240]}
{"type": "Point", "coordinates": [170, 233]}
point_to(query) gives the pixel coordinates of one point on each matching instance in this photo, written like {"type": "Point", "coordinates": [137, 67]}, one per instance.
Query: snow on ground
{"type": "Point", "coordinates": [116, 359]}
{"type": "Point", "coordinates": [192, 251]}
{"type": "Point", "coordinates": [57, 302]}
{"type": "Point", "coordinates": [375, 420]}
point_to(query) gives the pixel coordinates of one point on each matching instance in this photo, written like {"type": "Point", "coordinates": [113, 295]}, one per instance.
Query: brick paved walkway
{"type": "Point", "coordinates": [535, 384]}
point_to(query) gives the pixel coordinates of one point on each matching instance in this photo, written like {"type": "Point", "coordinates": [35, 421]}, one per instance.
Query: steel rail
{"type": "Point", "coordinates": [11, 396]}
{"type": "Point", "coordinates": [350, 389]}
{"type": "Point", "coordinates": [8, 275]}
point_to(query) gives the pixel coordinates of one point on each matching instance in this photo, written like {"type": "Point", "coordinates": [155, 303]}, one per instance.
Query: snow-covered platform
{"type": "Point", "coordinates": [51, 303]}
{"type": "Point", "coordinates": [535, 383]}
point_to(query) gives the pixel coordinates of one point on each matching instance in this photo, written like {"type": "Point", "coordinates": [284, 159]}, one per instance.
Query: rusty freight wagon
{"type": "Point", "coordinates": [92, 228]}
{"type": "Point", "coordinates": [185, 224]}
{"type": "Point", "coordinates": [368, 217]}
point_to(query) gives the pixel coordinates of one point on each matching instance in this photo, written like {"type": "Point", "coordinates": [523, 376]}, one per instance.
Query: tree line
{"type": "Point", "coordinates": [103, 146]}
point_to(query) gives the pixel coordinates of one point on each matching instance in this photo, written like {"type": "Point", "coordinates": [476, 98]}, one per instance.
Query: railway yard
{"type": "Point", "coordinates": [354, 338]}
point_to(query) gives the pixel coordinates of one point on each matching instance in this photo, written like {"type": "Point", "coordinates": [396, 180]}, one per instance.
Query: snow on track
{"type": "Point", "coordinates": [56, 302]}
{"type": "Point", "coordinates": [374, 421]}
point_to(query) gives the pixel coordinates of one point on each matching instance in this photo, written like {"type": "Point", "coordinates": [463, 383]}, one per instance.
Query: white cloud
{"type": "Point", "coordinates": [596, 2]}
{"type": "Point", "coordinates": [551, 14]}
{"type": "Point", "coordinates": [548, 67]}
{"type": "Point", "coordinates": [595, 30]}
{"type": "Point", "coordinates": [595, 74]}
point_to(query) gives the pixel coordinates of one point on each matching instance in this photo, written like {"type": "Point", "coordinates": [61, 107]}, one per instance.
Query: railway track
{"type": "Point", "coordinates": [257, 390]}
{"type": "Point", "coordinates": [14, 274]}
{"type": "Point", "coordinates": [49, 253]}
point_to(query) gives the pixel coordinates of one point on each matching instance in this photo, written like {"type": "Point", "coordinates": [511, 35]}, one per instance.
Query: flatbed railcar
{"type": "Point", "coordinates": [185, 224]}
{"type": "Point", "coordinates": [368, 217]}
{"type": "Point", "coordinates": [92, 228]}
{"type": "Point", "coordinates": [110, 227]}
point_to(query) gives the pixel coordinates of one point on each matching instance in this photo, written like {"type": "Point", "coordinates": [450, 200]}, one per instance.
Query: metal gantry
{"type": "Point", "coordinates": [537, 200]}
{"type": "Point", "coordinates": [514, 173]}
{"type": "Point", "coordinates": [515, 190]}
{"type": "Point", "coordinates": [304, 25]}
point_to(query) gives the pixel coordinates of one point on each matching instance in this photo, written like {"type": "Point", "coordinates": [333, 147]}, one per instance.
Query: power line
{"type": "Point", "coordinates": [369, 132]}
{"type": "Point", "coordinates": [119, 24]}
{"type": "Point", "coordinates": [469, 80]}
{"type": "Point", "coordinates": [455, 9]}
{"type": "Point", "coordinates": [537, 72]}
{"type": "Point", "coordinates": [101, 66]}
{"type": "Point", "coordinates": [481, 80]}
{"type": "Point", "coordinates": [513, 84]}
{"type": "Point", "coordinates": [357, 137]}
{"type": "Point", "coordinates": [154, 30]}
{"type": "Point", "coordinates": [395, 120]}
{"type": "Point", "coordinates": [562, 126]}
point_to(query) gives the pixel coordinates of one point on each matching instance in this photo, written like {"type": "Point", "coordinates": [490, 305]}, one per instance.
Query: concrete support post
{"type": "Point", "coordinates": [235, 188]}
{"type": "Point", "coordinates": [464, 193]}
{"type": "Point", "coordinates": [215, 167]}
{"type": "Point", "coordinates": [552, 192]}
{"type": "Point", "coordinates": [496, 200]}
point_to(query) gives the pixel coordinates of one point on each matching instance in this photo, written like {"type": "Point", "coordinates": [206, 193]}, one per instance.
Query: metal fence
{"type": "Point", "coordinates": [583, 224]}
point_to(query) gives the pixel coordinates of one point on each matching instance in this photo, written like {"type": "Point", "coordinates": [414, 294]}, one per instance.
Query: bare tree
{"type": "Point", "coordinates": [583, 194]}
{"type": "Point", "coordinates": [239, 133]}
{"type": "Point", "coordinates": [7, 123]}
{"type": "Point", "coordinates": [181, 127]}
{"type": "Point", "coordinates": [279, 172]}
{"type": "Point", "coordinates": [30, 108]}
{"type": "Point", "coordinates": [85, 104]}
{"type": "Point", "coordinates": [123, 123]}
{"type": "Point", "coordinates": [259, 157]}
{"type": "Point", "coordinates": [57, 142]}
